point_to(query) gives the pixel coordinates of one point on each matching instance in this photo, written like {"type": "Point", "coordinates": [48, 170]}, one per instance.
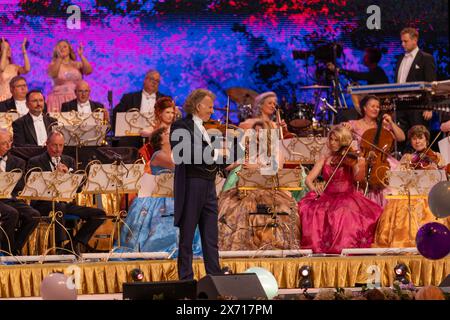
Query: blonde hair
{"type": "Point", "coordinates": [72, 55]}
{"type": "Point", "coordinates": [343, 134]}
{"type": "Point", "coordinates": [413, 33]}
{"type": "Point", "coordinates": [259, 100]}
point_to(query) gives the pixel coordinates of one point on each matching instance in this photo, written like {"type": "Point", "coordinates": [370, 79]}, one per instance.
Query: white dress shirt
{"type": "Point", "coordinates": [148, 102]}
{"type": "Point", "coordinates": [199, 123]}
{"type": "Point", "coordinates": [21, 107]}
{"type": "Point", "coordinates": [3, 163]}
{"type": "Point", "coordinates": [406, 65]}
{"type": "Point", "coordinates": [54, 162]}
{"type": "Point", "coordinates": [84, 108]}
{"type": "Point", "coordinates": [39, 127]}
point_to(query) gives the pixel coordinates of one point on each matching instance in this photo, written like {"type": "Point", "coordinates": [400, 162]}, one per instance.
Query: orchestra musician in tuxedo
{"type": "Point", "coordinates": [17, 210]}
{"type": "Point", "coordinates": [19, 88]}
{"type": "Point", "coordinates": [82, 103]}
{"type": "Point", "coordinates": [144, 100]}
{"type": "Point", "coordinates": [194, 183]}
{"type": "Point", "coordinates": [33, 128]}
{"type": "Point", "coordinates": [414, 65]}
{"type": "Point", "coordinates": [53, 159]}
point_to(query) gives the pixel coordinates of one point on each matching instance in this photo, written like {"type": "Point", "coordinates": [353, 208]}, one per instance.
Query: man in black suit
{"type": "Point", "coordinates": [196, 166]}
{"type": "Point", "coordinates": [415, 65]}
{"type": "Point", "coordinates": [19, 89]}
{"type": "Point", "coordinates": [26, 216]}
{"type": "Point", "coordinates": [33, 128]}
{"type": "Point", "coordinates": [144, 100]}
{"type": "Point", "coordinates": [82, 104]}
{"type": "Point", "coordinates": [52, 160]}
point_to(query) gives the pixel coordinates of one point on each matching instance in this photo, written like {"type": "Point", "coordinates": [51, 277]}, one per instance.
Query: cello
{"type": "Point", "coordinates": [376, 144]}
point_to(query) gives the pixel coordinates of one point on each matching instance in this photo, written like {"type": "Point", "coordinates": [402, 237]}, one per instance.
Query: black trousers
{"type": "Point", "coordinates": [92, 218]}
{"type": "Point", "coordinates": [200, 208]}
{"type": "Point", "coordinates": [8, 221]}
{"type": "Point", "coordinates": [27, 221]}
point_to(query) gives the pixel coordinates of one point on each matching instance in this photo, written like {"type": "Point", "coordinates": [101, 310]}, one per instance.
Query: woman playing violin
{"type": "Point", "coordinates": [362, 130]}
{"type": "Point", "coordinates": [397, 227]}
{"type": "Point", "coordinates": [337, 216]}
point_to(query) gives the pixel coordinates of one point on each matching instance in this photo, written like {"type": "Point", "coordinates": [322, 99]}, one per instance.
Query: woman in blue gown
{"type": "Point", "coordinates": [149, 226]}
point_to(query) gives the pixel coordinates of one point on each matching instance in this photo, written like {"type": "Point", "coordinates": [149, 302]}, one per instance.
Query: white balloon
{"type": "Point", "coordinates": [268, 281]}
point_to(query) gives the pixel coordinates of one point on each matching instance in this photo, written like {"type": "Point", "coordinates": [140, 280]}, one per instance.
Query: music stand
{"type": "Point", "coordinates": [412, 184]}
{"type": "Point", "coordinates": [8, 181]}
{"type": "Point", "coordinates": [116, 178]}
{"type": "Point", "coordinates": [55, 187]}
{"type": "Point", "coordinates": [304, 150]}
{"type": "Point", "coordinates": [82, 130]}
{"type": "Point", "coordinates": [283, 180]}
{"type": "Point", "coordinates": [7, 118]}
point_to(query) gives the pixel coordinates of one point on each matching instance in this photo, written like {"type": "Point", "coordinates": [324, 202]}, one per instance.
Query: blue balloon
{"type": "Point", "coordinates": [268, 281]}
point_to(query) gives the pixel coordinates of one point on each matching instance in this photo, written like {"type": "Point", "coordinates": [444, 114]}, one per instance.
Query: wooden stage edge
{"type": "Point", "coordinates": [24, 280]}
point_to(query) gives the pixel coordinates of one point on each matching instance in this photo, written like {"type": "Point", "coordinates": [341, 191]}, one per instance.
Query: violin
{"type": "Point", "coordinates": [349, 158]}
{"type": "Point", "coordinates": [217, 125]}
{"type": "Point", "coordinates": [424, 159]}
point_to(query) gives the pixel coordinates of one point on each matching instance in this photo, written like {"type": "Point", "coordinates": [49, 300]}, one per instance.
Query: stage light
{"type": "Point", "coordinates": [305, 276]}
{"type": "Point", "coordinates": [226, 270]}
{"type": "Point", "coordinates": [137, 275]}
{"type": "Point", "coordinates": [401, 273]}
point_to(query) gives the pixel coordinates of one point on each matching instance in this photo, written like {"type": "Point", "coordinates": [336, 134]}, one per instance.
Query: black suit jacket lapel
{"type": "Point", "coordinates": [413, 72]}
{"type": "Point", "coordinates": [48, 122]}
{"type": "Point", "coordinates": [29, 126]}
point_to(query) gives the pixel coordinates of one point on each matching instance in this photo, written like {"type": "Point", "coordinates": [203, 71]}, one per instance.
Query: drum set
{"type": "Point", "coordinates": [303, 118]}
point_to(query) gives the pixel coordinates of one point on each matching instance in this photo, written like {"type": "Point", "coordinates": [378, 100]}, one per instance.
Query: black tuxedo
{"type": "Point", "coordinates": [27, 217]}
{"type": "Point", "coordinates": [93, 217]}
{"type": "Point", "coordinates": [423, 68]}
{"type": "Point", "coordinates": [7, 105]}
{"type": "Point", "coordinates": [25, 133]}
{"type": "Point", "coordinates": [72, 105]}
{"type": "Point", "coordinates": [10, 104]}
{"type": "Point", "coordinates": [127, 102]}
{"type": "Point", "coordinates": [197, 207]}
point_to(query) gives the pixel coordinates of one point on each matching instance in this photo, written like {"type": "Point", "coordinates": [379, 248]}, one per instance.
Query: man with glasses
{"type": "Point", "coordinates": [144, 100]}
{"type": "Point", "coordinates": [82, 104]}
{"type": "Point", "coordinates": [19, 90]}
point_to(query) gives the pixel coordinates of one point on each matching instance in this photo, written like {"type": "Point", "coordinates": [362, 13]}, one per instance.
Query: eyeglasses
{"type": "Point", "coordinates": [83, 91]}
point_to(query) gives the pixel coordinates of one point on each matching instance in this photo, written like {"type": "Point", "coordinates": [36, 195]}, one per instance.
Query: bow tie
{"type": "Point", "coordinates": [86, 104]}
{"type": "Point", "coordinates": [40, 118]}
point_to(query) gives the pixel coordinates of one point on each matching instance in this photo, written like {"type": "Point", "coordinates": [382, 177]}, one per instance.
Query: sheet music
{"type": "Point", "coordinates": [414, 182]}
{"type": "Point", "coordinates": [132, 122]}
{"type": "Point", "coordinates": [444, 149]}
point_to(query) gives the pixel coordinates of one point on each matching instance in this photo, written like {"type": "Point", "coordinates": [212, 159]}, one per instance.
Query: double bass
{"type": "Point", "coordinates": [376, 145]}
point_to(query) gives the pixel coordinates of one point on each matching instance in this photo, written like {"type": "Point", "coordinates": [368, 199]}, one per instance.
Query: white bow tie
{"type": "Point", "coordinates": [40, 118]}
{"type": "Point", "coordinates": [86, 104]}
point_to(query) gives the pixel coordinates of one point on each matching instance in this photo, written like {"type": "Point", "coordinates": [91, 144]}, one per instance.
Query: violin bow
{"type": "Point", "coordinates": [335, 170]}
{"type": "Point", "coordinates": [227, 121]}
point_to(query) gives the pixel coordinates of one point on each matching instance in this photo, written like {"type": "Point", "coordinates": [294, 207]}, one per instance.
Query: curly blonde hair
{"type": "Point", "coordinates": [343, 134]}
{"type": "Point", "coordinates": [72, 55]}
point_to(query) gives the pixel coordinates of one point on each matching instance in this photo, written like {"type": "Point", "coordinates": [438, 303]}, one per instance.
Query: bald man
{"type": "Point", "coordinates": [82, 103]}
{"type": "Point", "coordinates": [17, 218]}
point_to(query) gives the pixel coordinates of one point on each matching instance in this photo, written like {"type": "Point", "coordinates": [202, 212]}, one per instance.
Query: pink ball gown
{"type": "Point", "coordinates": [341, 218]}
{"type": "Point", "coordinates": [63, 86]}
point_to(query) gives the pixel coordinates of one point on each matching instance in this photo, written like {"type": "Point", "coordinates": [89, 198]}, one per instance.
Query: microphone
{"type": "Point", "coordinates": [110, 98]}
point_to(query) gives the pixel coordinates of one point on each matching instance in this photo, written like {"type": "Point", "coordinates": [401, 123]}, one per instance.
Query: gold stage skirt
{"type": "Point", "coordinates": [107, 277]}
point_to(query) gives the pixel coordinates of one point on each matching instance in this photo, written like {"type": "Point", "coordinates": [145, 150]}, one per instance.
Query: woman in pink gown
{"type": "Point", "coordinates": [338, 216]}
{"type": "Point", "coordinates": [65, 72]}
{"type": "Point", "coordinates": [8, 69]}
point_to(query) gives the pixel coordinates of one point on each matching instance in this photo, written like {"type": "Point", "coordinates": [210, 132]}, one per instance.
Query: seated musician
{"type": "Point", "coordinates": [241, 230]}
{"type": "Point", "coordinates": [82, 104]}
{"type": "Point", "coordinates": [264, 110]}
{"type": "Point", "coordinates": [33, 128]}
{"type": "Point", "coordinates": [445, 126]}
{"type": "Point", "coordinates": [144, 100]}
{"type": "Point", "coordinates": [165, 114]}
{"type": "Point", "coordinates": [397, 228]}
{"type": "Point", "coordinates": [337, 216]}
{"type": "Point", "coordinates": [370, 108]}
{"type": "Point", "coordinates": [19, 89]}
{"type": "Point", "coordinates": [17, 218]}
{"type": "Point", "coordinates": [149, 226]}
{"type": "Point", "coordinates": [53, 159]}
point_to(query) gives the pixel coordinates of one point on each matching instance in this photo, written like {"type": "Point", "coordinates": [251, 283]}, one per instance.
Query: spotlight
{"type": "Point", "coordinates": [226, 270]}
{"type": "Point", "coordinates": [401, 273]}
{"type": "Point", "coordinates": [137, 275]}
{"type": "Point", "coordinates": [305, 276]}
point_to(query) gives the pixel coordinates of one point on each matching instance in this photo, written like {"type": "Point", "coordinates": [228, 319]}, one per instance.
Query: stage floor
{"type": "Point", "coordinates": [95, 278]}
